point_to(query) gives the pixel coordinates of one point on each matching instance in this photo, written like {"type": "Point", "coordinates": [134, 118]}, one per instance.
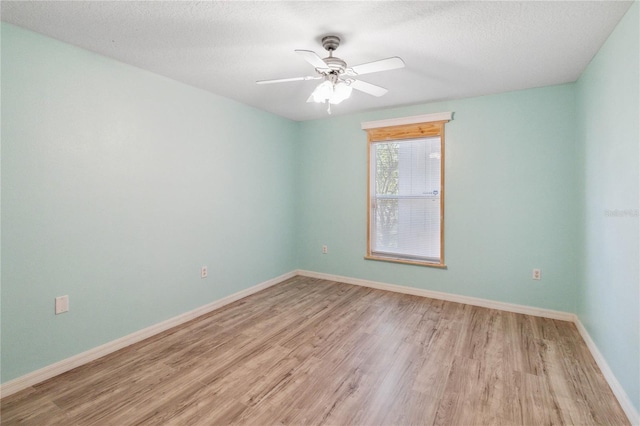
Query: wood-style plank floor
{"type": "Point", "coordinates": [312, 352]}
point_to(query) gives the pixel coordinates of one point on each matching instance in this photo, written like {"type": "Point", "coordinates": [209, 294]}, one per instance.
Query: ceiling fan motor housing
{"type": "Point", "coordinates": [336, 64]}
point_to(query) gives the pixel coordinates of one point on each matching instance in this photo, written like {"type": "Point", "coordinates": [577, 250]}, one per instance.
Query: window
{"type": "Point", "coordinates": [406, 190]}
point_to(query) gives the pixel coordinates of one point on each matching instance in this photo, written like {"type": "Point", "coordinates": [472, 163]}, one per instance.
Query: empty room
{"type": "Point", "coordinates": [320, 212]}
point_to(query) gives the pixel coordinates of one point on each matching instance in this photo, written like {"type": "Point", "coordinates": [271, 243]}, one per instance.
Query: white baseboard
{"type": "Point", "coordinates": [60, 367]}
{"type": "Point", "coordinates": [615, 386]}
{"type": "Point", "coordinates": [475, 301]}
{"type": "Point", "coordinates": [67, 364]}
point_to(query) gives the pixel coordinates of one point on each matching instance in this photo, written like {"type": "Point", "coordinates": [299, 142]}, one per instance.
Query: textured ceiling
{"type": "Point", "coordinates": [451, 49]}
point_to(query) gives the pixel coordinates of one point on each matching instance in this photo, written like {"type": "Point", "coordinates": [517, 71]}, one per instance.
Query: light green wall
{"type": "Point", "coordinates": [608, 96]}
{"type": "Point", "coordinates": [510, 199]}
{"type": "Point", "coordinates": [117, 185]}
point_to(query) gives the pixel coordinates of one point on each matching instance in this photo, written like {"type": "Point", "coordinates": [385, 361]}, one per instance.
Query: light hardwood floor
{"type": "Point", "coordinates": [309, 351]}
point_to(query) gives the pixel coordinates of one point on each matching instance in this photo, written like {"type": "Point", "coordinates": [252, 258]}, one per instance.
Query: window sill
{"type": "Point", "coordinates": [407, 262]}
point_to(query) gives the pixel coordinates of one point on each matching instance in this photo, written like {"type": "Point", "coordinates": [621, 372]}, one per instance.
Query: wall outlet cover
{"type": "Point", "coordinates": [537, 274]}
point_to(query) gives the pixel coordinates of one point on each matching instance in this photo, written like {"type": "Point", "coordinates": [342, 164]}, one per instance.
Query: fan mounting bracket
{"type": "Point", "coordinates": [330, 42]}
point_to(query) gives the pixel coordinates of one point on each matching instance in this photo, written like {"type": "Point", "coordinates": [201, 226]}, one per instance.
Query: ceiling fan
{"type": "Point", "coordinates": [338, 79]}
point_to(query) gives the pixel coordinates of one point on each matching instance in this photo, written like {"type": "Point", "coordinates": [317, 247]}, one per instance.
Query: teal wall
{"type": "Point", "coordinates": [608, 96]}
{"type": "Point", "coordinates": [511, 203]}
{"type": "Point", "coordinates": [117, 185]}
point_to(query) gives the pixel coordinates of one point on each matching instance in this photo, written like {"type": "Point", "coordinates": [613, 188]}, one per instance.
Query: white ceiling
{"type": "Point", "coordinates": [451, 49]}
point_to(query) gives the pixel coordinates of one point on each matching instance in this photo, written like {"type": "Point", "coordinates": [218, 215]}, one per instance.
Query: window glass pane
{"type": "Point", "coordinates": [386, 155]}
{"type": "Point", "coordinates": [406, 198]}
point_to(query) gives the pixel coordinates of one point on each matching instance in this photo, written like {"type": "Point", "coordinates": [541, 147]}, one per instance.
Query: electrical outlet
{"type": "Point", "coordinates": [62, 304]}
{"type": "Point", "coordinates": [537, 274]}
{"type": "Point", "coordinates": [325, 250]}
{"type": "Point", "coordinates": [203, 272]}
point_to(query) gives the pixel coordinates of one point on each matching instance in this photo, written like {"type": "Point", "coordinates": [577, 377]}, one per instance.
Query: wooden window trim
{"type": "Point", "coordinates": [403, 132]}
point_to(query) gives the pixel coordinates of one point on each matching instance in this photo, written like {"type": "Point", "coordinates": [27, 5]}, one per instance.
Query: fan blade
{"type": "Point", "coordinates": [313, 59]}
{"type": "Point", "coordinates": [284, 80]}
{"type": "Point", "coordinates": [368, 88]}
{"type": "Point", "coordinates": [376, 66]}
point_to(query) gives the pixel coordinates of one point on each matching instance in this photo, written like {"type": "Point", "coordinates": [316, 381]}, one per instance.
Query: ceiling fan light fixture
{"type": "Point", "coordinates": [332, 92]}
{"type": "Point", "coordinates": [323, 92]}
{"type": "Point", "coordinates": [341, 91]}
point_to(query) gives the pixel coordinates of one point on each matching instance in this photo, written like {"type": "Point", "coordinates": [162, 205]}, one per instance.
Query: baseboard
{"type": "Point", "coordinates": [615, 386]}
{"type": "Point", "coordinates": [60, 367]}
{"type": "Point", "coordinates": [67, 364]}
{"type": "Point", "coordinates": [475, 301]}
